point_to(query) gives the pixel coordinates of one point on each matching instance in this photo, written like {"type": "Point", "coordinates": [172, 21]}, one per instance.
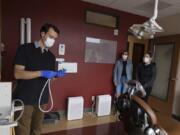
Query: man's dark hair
{"type": "Point", "coordinates": [47, 26]}
{"type": "Point", "coordinates": [149, 53]}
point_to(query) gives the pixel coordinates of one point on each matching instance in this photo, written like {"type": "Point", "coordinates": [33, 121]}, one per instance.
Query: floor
{"type": "Point", "coordinates": [104, 129]}
{"type": "Point", "coordinates": [93, 124]}
{"type": "Point", "coordinates": [171, 125]}
{"type": "Point", "coordinates": [89, 119]}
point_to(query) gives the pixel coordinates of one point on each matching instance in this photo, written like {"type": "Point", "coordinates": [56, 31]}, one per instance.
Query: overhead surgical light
{"type": "Point", "coordinates": [148, 29]}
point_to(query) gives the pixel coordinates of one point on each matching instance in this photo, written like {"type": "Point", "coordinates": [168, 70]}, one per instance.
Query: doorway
{"type": "Point", "coordinates": [163, 60]}
{"type": "Point", "coordinates": [163, 89]}
{"type": "Point", "coordinates": [136, 49]}
{"type": "Point", "coordinates": [138, 53]}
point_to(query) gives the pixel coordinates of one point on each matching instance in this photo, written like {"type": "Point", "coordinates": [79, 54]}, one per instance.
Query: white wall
{"type": "Point", "coordinates": [170, 25]}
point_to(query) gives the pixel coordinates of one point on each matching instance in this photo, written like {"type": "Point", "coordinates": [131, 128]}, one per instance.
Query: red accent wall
{"type": "Point", "coordinates": [69, 16]}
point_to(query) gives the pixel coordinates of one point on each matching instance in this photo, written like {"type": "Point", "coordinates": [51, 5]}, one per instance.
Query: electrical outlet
{"type": "Point", "coordinates": [93, 98]}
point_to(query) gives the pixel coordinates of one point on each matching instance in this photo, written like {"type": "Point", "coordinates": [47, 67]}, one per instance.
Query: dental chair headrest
{"type": "Point", "coordinates": [147, 109]}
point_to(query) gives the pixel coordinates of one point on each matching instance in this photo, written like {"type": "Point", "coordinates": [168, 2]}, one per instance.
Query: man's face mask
{"type": "Point", "coordinates": [49, 42]}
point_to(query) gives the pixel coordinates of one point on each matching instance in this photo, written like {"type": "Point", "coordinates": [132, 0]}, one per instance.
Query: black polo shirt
{"type": "Point", "coordinates": [33, 58]}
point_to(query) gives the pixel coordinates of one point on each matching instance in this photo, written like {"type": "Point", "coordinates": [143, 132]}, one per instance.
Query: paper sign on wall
{"type": "Point", "coordinates": [71, 67]}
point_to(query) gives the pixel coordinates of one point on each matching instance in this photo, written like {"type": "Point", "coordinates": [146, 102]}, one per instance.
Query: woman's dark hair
{"type": "Point", "coordinates": [47, 26]}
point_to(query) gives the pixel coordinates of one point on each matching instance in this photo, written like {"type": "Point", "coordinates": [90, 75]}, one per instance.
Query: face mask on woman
{"type": "Point", "coordinates": [124, 57]}
{"type": "Point", "coordinates": [146, 60]}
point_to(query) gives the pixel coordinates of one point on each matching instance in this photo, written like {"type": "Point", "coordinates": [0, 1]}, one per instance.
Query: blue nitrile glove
{"type": "Point", "coordinates": [61, 73]}
{"type": "Point", "coordinates": [48, 74]}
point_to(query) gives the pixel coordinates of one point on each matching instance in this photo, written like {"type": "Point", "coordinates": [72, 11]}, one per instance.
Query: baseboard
{"type": "Point", "coordinates": [176, 117]}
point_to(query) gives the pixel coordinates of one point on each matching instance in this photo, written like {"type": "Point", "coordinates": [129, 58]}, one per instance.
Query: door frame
{"type": "Point", "coordinates": [170, 74]}
{"type": "Point", "coordinates": [0, 22]}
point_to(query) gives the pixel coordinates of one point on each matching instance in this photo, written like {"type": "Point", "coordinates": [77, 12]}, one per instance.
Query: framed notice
{"type": "Point", "coordinates": [100, 50]}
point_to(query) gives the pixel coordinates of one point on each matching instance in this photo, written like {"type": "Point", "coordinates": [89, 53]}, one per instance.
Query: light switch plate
{"type": "Point", "coordinates": [61, 49]}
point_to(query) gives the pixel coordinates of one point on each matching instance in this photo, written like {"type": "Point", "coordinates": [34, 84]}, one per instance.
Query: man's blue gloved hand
{"type": "Point", "coordinates": [61, 73]}
{"type": "Point", "coordinates": [48, 74]}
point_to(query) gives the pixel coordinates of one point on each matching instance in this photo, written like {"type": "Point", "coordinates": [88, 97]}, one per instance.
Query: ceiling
{"type": "Point", "coordinates": [168, 14]}
{"type": "Point", "coordinates": [141, 7]}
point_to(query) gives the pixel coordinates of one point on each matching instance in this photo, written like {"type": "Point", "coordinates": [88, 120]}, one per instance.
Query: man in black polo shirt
{"type": "Point", "coordinates": [146, 74]}
{"type": "Point", "coordinates": [33, 65]}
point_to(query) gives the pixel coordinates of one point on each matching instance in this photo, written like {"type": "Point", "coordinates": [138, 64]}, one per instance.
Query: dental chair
{"type": "Point", "coordinates": [8, 109]}
{"type": "Point", "coordinates": [136, 114]}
